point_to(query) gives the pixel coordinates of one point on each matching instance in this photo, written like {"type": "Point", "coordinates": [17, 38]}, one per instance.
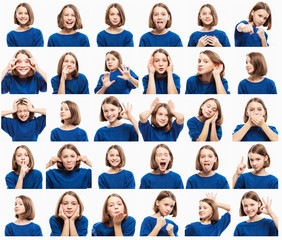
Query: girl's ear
{"type": "Point", "coordinates": [252, 12]}
{"type": "Point", "coordinates": [157, 203]}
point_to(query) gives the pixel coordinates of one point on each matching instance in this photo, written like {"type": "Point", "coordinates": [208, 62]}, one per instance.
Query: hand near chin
{"type": "Point", "coordinates": [76, 214]}
{"type": "Point", "coordinates": [118, 218]}
{"type": "Point", "coordinates": [169, 229]}
{"type": "Point", "coordinates": [161, 222]}
{"type": "Point", "coordinates": [65, 73]}
{"type": "Point", "coordinates": [257, 120]}
{"type": "Point", "coordinates": [61, 214]}
{"type": "Point", "coordinates": [24, 170]}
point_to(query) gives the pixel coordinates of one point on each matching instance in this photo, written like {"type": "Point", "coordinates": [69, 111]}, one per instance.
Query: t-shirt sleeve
{"type": "Point", "coordinates": [101, 182]}
{"type": "Point", "coordinates": [40, 123]}
{"type": "Point", "coordinates": [50, 42]}
{"type": "Point", "coordinates": [83, 136]}
{"type": "Point", "coordinates": [223, 222]}
{"type": "Point", "coordinates": [142, 42]}
{"type": "Point", "coordinates": [146, 228]}
{"type": "Point", "coordinates": [130, 181]}
{"type": "Point", "coordinates": [143, 184]}
{"type": "Point", "coordinates": [53, 136]}
{"type": "Point", "coordinates": [240, 88]}
{"type": "Point", "coordinates": [194, 132]}
{"type": "Point", "coordinates": [55, 228]}
{"type": "Point", "coordinates": [225, 184]}
{"type": "Point", "coordinates": [175, 229]}
{"type": "Point", "coordinates": [273, 231]}
{"type": "Point", "coordinates": [37, 180]}
{"type": "Point", "coordinates": [7, 125]}
{"type": "Point", "coordinates": [5, 84]}
{"type": "Point", "coordinates": [236, 232]}
{"type": "Point", "coordinates": [129, 229]}
{"type": "Point", "coordinates": [179, 183]}
{"type": "Point", "coordinates": [273, 129]}
{"type": "Point", "coordinates": [144, 129]}
{"type": "Point", "coordinates": [192, 43]}
{"type": "Point", "coordinates": [225, 85]}
{"type": "Point", "coordinates": [94, 232]}
{"type": "Point", "coordinates": [274, 183]}
{"type": "Point", "coordinates": [85, 41]}
{"type": "Point", "coordinates": [84, 85]}
{"type": "Point", "coordinates": [225, 42]}
{"type": "Point", "coordinates": [133, 134]}
{"type": "Point", "coordinates": [7, 231]}
{"type": "Point", "coordinates": [238, 127]}
{"type": "Point", "coordinates": [240, 184]}
{"type": "Point", "coordinates": [189, 184]}
{"type": "Point", "coordinates": [177, 128]}
{"type": "Point", "coordinates": [10, 42]}
{"type": "Point", "coordinates": [38, 40]}
{"type": "Point", "coordinates": [49, 184]}
{"type": "Point", "coordinates": [129, 40]}
{"type": "Point", "coordinates": [37, 231]}
{"type": "Point", "coordinates": [41, 82]}
{"type": "Point", "coordinates": [189, 230]}
{"type": "Point", "coordinates": [99, 84]}
{"type": "Point", "coordinates": [145, 81]}
{"type": "Point", "coordinates": [10, 181]}
{"type": "Point", "coordinates": [82, 226]}
{"type": "Point", "coordinates": [176, 80]}
{"type": "Point", "coordinates": [55, 81]}
{"type": "Point", "coordinates": [219, 132]}
{"type": "Point", "coordinates": [189, 87]}
{"type": "Point", "coordinates": [100, 40]}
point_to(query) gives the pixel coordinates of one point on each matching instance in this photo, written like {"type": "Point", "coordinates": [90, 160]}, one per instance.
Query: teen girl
{"type": "Point", "coordinates": [209, 224]}
{"type": "Point", "coordinates": [258, 159]}
{"type": "Point", "coordinates": [68, 219]}
{"type": "Point", "coordinates": [69, 174]}
{"type": "Point", "coordinates": [114, 35]}
{"type": "Point", "coordinates": [250, 33]}
{"type": "Point", "coordinates": [115, 219]}
{"type": "Point", "coordinates": [207, 162]}
{"type": "Point", "coordinates": [161, 79]}
{"type": "Point", "coordinates": [24, 126]}
{"type": "Point", "coordinates": [256, 83]}
{"type": "Point", "coordinates": [69, 80]}
{"type": "Point", "coordinates": [161, 176]}
{"type": "Point", "coordinates": [69, 21]}
{"type": "Point", "coordinates": [207, 125]}
{"type": "Point", "coordinates": [210, 77]}
{"type": "Point", "coordinates": [70, 117]}
{"type": "Point", "coordinates": [112, 111]}
{"type": "Point", "coordinates": [116, 177]}
{"type": "Point", "coordinates": [119, 79]}
{"type": "Point", "coordinates": [23, 75]}
{"type": "Point", "coordinates": [252, 206]}
{"type": "Point", "coordinates": [24, 35]}
{"type": "Point", "coordinates": [208, 36]}
{"type": "Point", "coordinates": [23, 226]}
{"type": "Point", "coordinates": [160, 20]}
{"type": "Point", "coordinates": [23, 176]}
{"type": "Point", "coordinates": [156, 225]}
{"type": "Point", "coordinates": [161, 127]}
{"type": "Point", "coordinates": [255, 127]}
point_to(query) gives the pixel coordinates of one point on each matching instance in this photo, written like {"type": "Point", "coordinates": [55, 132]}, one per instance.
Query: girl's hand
{"type": "Point", "coordinates": [171, 106]}
{"type": "Point", "coordinates": [154, 104]}
{"type": "Point", "coordinates": [257, 120]}
{"type": "Point", "coordinates": [161, 222]}
{"type": "Point", "coordinates": [61, 214]}
{"type": "Point", "coordinates": [85, 160]}
{"type": "Point", "coordinates": [203, 41]}
{"type": "Point", "coordinates": [126, 113]}
{"type": "Point", "coordinates": [217, 70]}
{"type": "Point", "coordinates": [24, 170]}
{"type": "Point", "coordinates": [15, 105]}
{"type": "Point", "coordinates": [75, 215]}
{"type": "Point", "coordinates": [12, 65]}
{"type": "Point", "coordinates": [266, 209]}
{"type": "Point", "coordinates": [241, 167]}
{"type": "Point", "coordinates": [169, 229]}
{"type": "Point", "coordinates": [53, 161]}
{"type": "Point", "coordinates": [247, 28]}
{"type": "Point", "coordinates": [125, 73]}
{"type": "Point", "coordinates": [150, 66]}
{"type": "Point", "coordinates": [106, 80]}
{"type": "Point", "coordinates": [213, 40]}
{"type": "Point", "coordinates": [28, 103]}
{"type": "Point", "coordinates": [170, 65]}
{"type": "Point", "coordinates": [211, 196]}
{"type": "Point", "coordinates": [33, 63]}
{"type": "Point", "coordinates": [214, 117]}
{"type": "Point", "coordinates": [118, 218]}
{"type": "Point", "coordinates": [65, 73]}
{"type": "Point", "coordinates": [250, 121]}
{"type": "Point", "coordinates": [260, 33]}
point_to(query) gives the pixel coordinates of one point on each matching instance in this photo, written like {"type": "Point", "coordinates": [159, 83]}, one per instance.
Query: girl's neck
{"type": "Point", "coordinates": [113, 70]}
{"type": "Point", "coordinates": [115, 123]}
{"type": "Point", "coordinates": [159, 31]}
{"type": "Point", "coordinates": [66, 31]}
{"type": "Point", "coordinates": [201, 118]}
{"type": "Point", "coordinates": [207, 29]}
{"type": "Point", "coordinates": [22, 28]}
{"type": "Point", "coordinates": [159, 172]}
{"type": "Point", "coordinates": [18, 171]}
{"type": "Point", "coordinates": [255, 78]}
{"type": "Point", "coordinates": [254, 218]}
{"type": "Point", "coordinates": [261, 172]}
{"type": "Point", "coordinates": [157, 215]}
{"type": "Point", "coordinates": [113, 170]}
{"type": "Point", "coordinates": [206, 174]}
{"type": "Point", "coordinates": [206, 78]}
{"type": "Point", "coordinates": [114, 29]}
{"type": "Point", "coordinates": [205, 221]}
{"type": "Point", "coordinates": [22, 221]}
{"type": "Point", "coordinates": [67, 126]}
{"type": "Point", "coordinates": [158, 75]}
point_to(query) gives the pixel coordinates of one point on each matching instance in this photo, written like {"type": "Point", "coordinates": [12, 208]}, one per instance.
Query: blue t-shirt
{"type": "Point", "coordinates": [24, 131]}
{"type": "Point", "coordinates": [247, 39]}
{"type": "Point", "coordinates": [255, 133]}
{"type": "Point", "coordinates": [266, 86]}
{"type": "Point", "coordinates": [121, 180]}
{"type": "Point", "coordinates": [170, 180]}
{"type": "Point", "coordinates": [77, 134]}
{"type": "Point", "coordinates": [151, 133]}
{"type": "Point", "coordinates": [263, 227]}
{"type": "Point", "coordinates": [122, 39]}
{"type": "Point", "coordinates": [252, 181]}
{"type": "Point", "coordinates": [123, 132]}
{"type": "Point", "coordinates": [30, 85]}
{"type": "Point", "coordinates": [220, 35]}
{"type": "Point", "coordinates": [77, 85]}
{"type": "Point", "coordinates": [215, 181]}
{"type": "Point", "coordinates": [195, 127]}
{"type": "Point", "coordinates": [195, 86]}
{"type": "Point", "coordinates": [31, 229]}
{"type": "Point", "coordinates": [127, 228]}
{"type": "Point", "coordinates": [149, 223]}
{"type": "Point", "coordinates": [68, 40]}
{"type": "Point", "coordinates": [32, 180]}
{"type": "Point", "coordinates": [161, 84]}
{"type": "Point", "coordinates": [169, 39]}
{"type": "Point", "coordinates": [199, 229]}
{"type": "Point", "coordinates": [57, 225]}
{"type": "Point", "coordinates": [78, 178]}
{"type": "Point", "coordinates": [30, 38]}
{"type": "Point", "coordinates": [120, 86]}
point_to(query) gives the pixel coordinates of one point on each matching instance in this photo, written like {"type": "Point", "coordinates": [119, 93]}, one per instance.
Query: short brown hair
{"type": "Point", "coordinates": [260, 150]}
{"type": "Point", "coordinates": [151, 22]}
{"type": "Point", "coordinates": [110, 100]}
{"type": "Point", "coordinates": [61, 61]}
{"type": "Point", "coordinates": [71, 193]}
{"type": "Point", "coordinates": [22, 102]}
{"type": "Point", "coordinates": [198, 164]}
{"type": "Point", "coordinates": [29, 213]}
{"type": "Point", "coordinates": [121, 155]}
{"type": "Point", "coordinates": [15, 166]}
{"type": "Point", "coordinates": [29, 11]}
{"type": "Point", "coordinates": [259, 63]}
{"type": "Point", "coordinates": [75, 118]}
{"type": "Point", "coordinates": [264, 6]}
{"type": "Point", "coordinates": [258, 100]}
{"type": "Point", "coordinates": [78, 22]}
{"type": "Point", "coordinates": [161, 196]}
{"type": "Point", "coordinates": [106, 219]}
{"type": "Point", "coordinates": [219, 120]}
{"type": "Point", "coordinates": [250, 195]}
{"type": "Point", "coordinates": [31, 72]}
{"type": "Point", "coordinates": [215, 216]}
{"type": "Point", "coordinates": [170, 115]}
{"type": "Point", "coordinates": [213, 13]}
{"type": "Point", "coordinates": [121, 14]}
{"type": "Point", "coordinates": [153, 163]}
{"type": "Point", "coordinates": [60, 152]}
{"type": "Point", "coordinates": [117, 55]}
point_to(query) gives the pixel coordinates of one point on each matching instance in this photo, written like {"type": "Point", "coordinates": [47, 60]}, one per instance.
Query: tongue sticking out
{"type": "Point", "coordinates": [159, 25]}
{"type": "Point", "coordinates": [206, 167]}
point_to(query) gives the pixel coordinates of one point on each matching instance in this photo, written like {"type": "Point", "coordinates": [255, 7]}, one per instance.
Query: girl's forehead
{"type": "Point", "coordinates": [159, 9]}
{"type": "Point", "coordinates": [21, 9]}
{"type": "Point", "coordinates": [162, 110]}
{"type": "Point", "coordinates": [69, 198]}
{"type": "Point", "coordinates": [204, 204]}
{"type": "Point", "coordinates": [21, 107]}
{"type": "Point", "coordinates": [168, 200]}
{"type": "Point", "coordinates": [64, 105]}
{"type": "Point", "coordinates": [109, 55]}
{"type": "Point", "coordinates": [114, 199]}
{"type": "Point", "coordinates": [206, 151]}
{"type": "Point", "coordinates": [263, 12]}
{"type": "Point", "coordinates": [108, 106]}
{"type": "Point", "coordinates": [68, 151]}
{"type": "Point", "coordinates": [161, 150]}
{"type": "Point", "coordinates": [68, 10]}
{"type": "Point", "coordinates": [205, 9]}
{"type": "Point", "coordinates": [21, 56]}
{"type": "Point", "coordinates": [204, 57]}
{"type": "Point", "coordinates": [113, 10]}
{"type": "Point", "coordinates": [254, 104]}
{"type": "Point", "coordinates": [69, 57]}
{"type": "Point", "coordinates": [159, 55]}
{"type": "Point", "coordinates": [248, 201]}
{"type": "Point", "coordinates": [113, 151]}
{"type": "Point", "coordinates": [20, 150]}
{"type": "Point", "coordinates": [212, 103]}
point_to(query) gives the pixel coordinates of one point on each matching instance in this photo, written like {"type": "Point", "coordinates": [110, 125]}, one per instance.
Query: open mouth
{"type": "Point", "coordinates": [160, 24]}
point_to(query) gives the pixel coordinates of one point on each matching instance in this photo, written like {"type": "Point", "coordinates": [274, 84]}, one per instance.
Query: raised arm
{"type": "Point", "coordinates": [266, 209]}
{"type": "Point", "coordinates": [106, 83]}
{"type": "Point", "coordinates": [171, 89]}
{"type": "Point", "coordinates": [52, 161]}
{"type": "Point", "coordinates": [218, 82]}
{"type": "Point", "coordinates": [32, 109]}
{"type": "Point", "coordinates": [24, 170]}
{"type": "Point", "coordinates": [245, 28]}
{"type": "Point", "coordinates": [178, 116]}
{"type": "Point", "coordinates": [117, 219]}
{"type": "Point", "coordinates": [240, 169]}
{"type": "Point", "coordinates": [237, 136]}
{"type": "Point", "coordinates": [224, 206]}
{"type": "Point", "coordinates": [151, 89]}
{"type": "Point", "coordinates": [10, 67]}
{"type": "Point", "coordinates": [34, 65]}
{"type": "Point", "coordinates": [8, 112]}
{"type": "Point", "coordinates": [126, 114]}
{"type": "Point", "coordinates": [127, 76]}
{"type": "Point", "coordinates": [146, 114]}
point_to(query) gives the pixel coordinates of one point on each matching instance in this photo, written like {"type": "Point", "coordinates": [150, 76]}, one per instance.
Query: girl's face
{"type": "Point", "coordinates": [205, 64]}
{"type": "Point", "coordinates": [205, 211]}
{"type": "Point", "coordinates": [207, 159]}
{"type": "Point", "coordinates": [19, 207]}
{"type": "Point", "coordinates": [165, 206]}
{"type": "Point", "coordinates": [259, 17]}
{"type": "Point", "coordinates": [22, 64]}
{"type": "Point", "coordinates": [112, 62]}
{"type": "Point", "coordinates": [113, 157]}
{"type": "Point", "coordinates": [69, 159]}
{"type": "Point", "coordinates": [162, 117]}
{"type": "Point", "coordinates": [22, 15]}
{"type": "Point", "coordinates": [249, 65]}
{"type": "Point", "coordinates": [206, 16]}
{"type": "Point", "coordinates": [257, 161]}
{"type": "Point", "coordinates": [160, 17]}
{"type": "Point", "coordinates": [114, 206]}
{"type": "Point", "coordinates": [22, 157]}
{"type": "Point", "coordinates": [69, 18]}
{"type": "Point", "coordinates": [114, 16]}
{"type": "Point", "coordinates": [69, 205]}
{"type": "Point", "coordinates": [209, 109]}
{"type": "Point", "coordinates": [111, 112]}
{"type": "Point", "coordinates": [162, 158]}
{"type": "Point", "coordinates": [65, 113]}
{"type": "Point", "coordinates": [70, 63]}
{"type": "Point", "coordinates": [22, 112]}
{"type": "Point", "coordinates": [160, 62]}
{"type": "Point", "coordinates": [255, 108]}
{"type": "Point", "coordinates": [250, 207]}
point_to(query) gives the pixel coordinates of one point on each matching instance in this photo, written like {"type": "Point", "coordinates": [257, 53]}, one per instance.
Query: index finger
{"type": "Point", "coordinates": [242, 160]}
